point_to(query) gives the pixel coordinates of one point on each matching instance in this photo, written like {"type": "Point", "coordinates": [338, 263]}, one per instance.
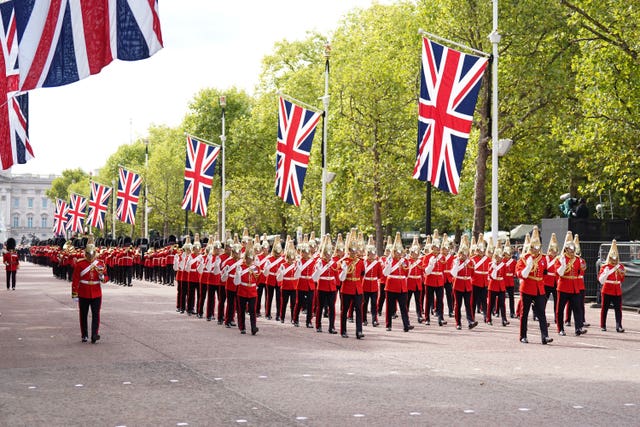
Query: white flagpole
{"type": "Point", "coordinates": [325, 119]}
{"type": "Point", "coordinates": [494, 37]}
{"type": "Point", "coordinates": [113, 205]}
{"type": "Point", "coordinates": [223, 138]}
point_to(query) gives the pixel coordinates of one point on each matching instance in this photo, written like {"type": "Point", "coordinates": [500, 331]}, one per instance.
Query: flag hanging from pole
{"type": "Point", "coordinates": [75, 213]}
{"type": "Point", "coordinates": [98, 204]}
{"type": "Point", "coordinates": [14, 130]}
{"type": "Point", "coordinates": [200, 163]}
{"type": "Point", "coordinates": [449, 86]}
{"type": "Point", "coordinates": [296, 127]}
{"type": "Point", "coordinates": [127, 195]}
{"type": "Point", "coordinates": [60, 218]}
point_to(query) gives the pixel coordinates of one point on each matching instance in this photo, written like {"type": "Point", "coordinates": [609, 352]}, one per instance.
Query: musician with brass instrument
{"type": "Point", "coordinates": [88, 274]}
{"type": "Point", "coordinates": [530, 269]}
{"type": "Point", "coordinates": [611, 276]}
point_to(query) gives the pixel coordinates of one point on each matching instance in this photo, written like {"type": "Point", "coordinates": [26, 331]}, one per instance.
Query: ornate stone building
{"type": "Point", "coordinates": [25, 210]}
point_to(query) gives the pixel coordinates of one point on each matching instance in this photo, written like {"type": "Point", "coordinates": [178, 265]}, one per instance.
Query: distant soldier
{"type": "Point", "coordinates": [11, 262]}
{"type": "Point", "coordinates": [372, 276]}
{"type": "Point", "coordinates": [351, 273]}
{"type": "Point", "coordinates": [325, 275]}
{"type": "Point", "coordinates": [395, 270]}
{"type": "Point", "coordinates": [611, 276]}
{"type": "Point", "coordinates": [569, 267]}
{"type": "Point", "coordinates": [462, 271]}
{"type": "Point", "coordinates": [245, 277]}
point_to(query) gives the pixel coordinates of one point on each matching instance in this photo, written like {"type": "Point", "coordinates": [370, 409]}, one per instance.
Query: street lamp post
{"type": "Point", "coordinates": [325, 103]}
{"type": "Point", "coordinates": [494, 37]}
{"type": "Point", "coordinates": [223, 138]}
{"type": "Point", "coordinates": [146, 189]}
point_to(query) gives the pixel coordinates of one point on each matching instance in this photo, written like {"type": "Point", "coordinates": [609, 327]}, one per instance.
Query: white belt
{"type": "Point", "coordinates": [437, 273]}
{"type": "Point", "coordinates": [414, 277]}
{"type": "Point", "coordinates": [326, 277]}
{"type": "Point", "coordinates": [89, 282]}
{"type": "Point", "coordinates": [305, 277]}
{"type": "Point", "coordinates": [464, 277]}
{"type": "Point", "coordinates": [482, 272]}
{"type": "Point", "coordinates": [396, 277]}
{"type": "Point", "coordinates": [370, 278]}
{"type": "Point", "coordinates": [289, 278]}
{"type": "Point", "coordinates": [613, 282]}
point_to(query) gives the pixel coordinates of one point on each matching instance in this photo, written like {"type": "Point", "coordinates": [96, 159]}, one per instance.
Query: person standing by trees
{"type": "Point", "coordinates": [11, 262]}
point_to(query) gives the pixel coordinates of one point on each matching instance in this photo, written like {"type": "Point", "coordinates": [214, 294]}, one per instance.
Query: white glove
{"type": "Point", "coordinates": [237, 278]}
{"type": "Point", "coordinates": [280, 275]}
{"type": "Point", "coordinates": [530, 262]}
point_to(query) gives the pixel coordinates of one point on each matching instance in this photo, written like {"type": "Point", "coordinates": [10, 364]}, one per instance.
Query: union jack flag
{"type": "Point", "coordinates": [60, 218]}
{"type": "Point", "coordinates": [75, 213]}
{"type": "Point", "coordinates": [450, 81]}
{"type": "Point", "coordinates": [14, 130]}
{"type": "Point", "coordinates": [98, 203]}
{"type": "Point", "coordinates": [127, 195]}
{"type": "Point", "coordinates": [200, 164]}
{"type": "Point", "coordinates": [296, 126]}
{"type": "Point", "coordinates": [63, 41]}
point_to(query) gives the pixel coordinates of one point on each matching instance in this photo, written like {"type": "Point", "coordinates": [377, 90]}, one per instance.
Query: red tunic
{"type": "Point", "coordinates": [87, 278]}
{"type": "Point", "coordinates": [568, 280]}
{"type": "Point", "coordinates": [434, 278]}
{"type": "Point", "coordinates": [415, 271]}
{"type": "Point", "coordinates": [612, 280]}
{"type": "Point", "coordinates": [305, 283]}
{"type": "Point", "coordinates": [480, 276]}
{"type": "Point", "coordinates": [11, 261]}
{"type": "Point", "coordinates": [352, 284]}
{"type": "Point", "coordinates": [497, 283]}
{"type": "Point", "coordinates": [247, 283]}
{"type": "Point", "coordinates": [372, 275]}
{"type": "Point", "coordinates": [326, 274]}
{"type": "Point", "coordinates": [396, 270]}
{"type": "Point", "coordinates": [289, 280]}
{"type": "Point", "coordinates": [462, 275]}
{"type": "Point", "coordinates": [532, 284]}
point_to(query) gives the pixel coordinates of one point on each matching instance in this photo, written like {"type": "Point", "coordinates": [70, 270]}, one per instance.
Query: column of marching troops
{"type": "Point", "coordinates": [224, 281]}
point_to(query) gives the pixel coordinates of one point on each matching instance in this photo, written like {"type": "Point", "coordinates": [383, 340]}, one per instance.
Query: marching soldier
{"type": "Point", "coordinates": [414, 278]}
{"type": "Point", "coordinates": [372, 277]}
{"type": "Point", "coordinates": [530, 269]}
{"type": "Point", "coordinates": [448, 279]}
{"type": "Point", "coordinates": [434, 266]}
{"type": "Point", "coordinates": [207, 293]}
{"type": "Point", "coordinates": [549, 277]}
{"type": "Point", "coordinates": [182, 275]}
{"type": "Point", "coordinates": [228, 268]}
{"type": "Point", "coordinates": [288, 279]}
{"type": "Point", "coordinates": [580, 285]}
{"type": "Point", "coordinates": [383, 281]}
{"type": "Point", "coordinates": [245, 277]}
{"type": "Point", "coordinates": [569, 267]}
{"type": "Point", "coordinates": [271, 267]}
{"type": "Point", "coordinates": [325, 275]}
{"type": "Point", "coordinates": [262, 257]}
{"type": "Point", "coordinates": [395, 271]}
{"type": "Point", "coordinates": [481, 262]}
{"type": "Point", "coordinates": [509, 276]}
{"type": "Point", "coordinates": [351, 273]}
{"type": "Point", "coordinates": [11, 262]}
{"type": "Point", "coordinates": [462, 271]}
{"type": "Point", "coordinates": [88, 274]}
{"type": "Point", "coordinates": [611, 276]}
{"type": "Point", "coordinates": [496, 287]}
{"type": "Point", "coordinates": [305, 285]}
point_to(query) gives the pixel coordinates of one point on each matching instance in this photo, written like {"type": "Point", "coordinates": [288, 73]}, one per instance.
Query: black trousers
{"type": "Point", "coordinates": [304, 300]}
{"type": "Point", "coordinates": [273, 292]}
{"type": "Point", "coordinates": [183, 290]}
{"type": "Point", "coordinates": [607, 300]}
{"type": "Point", "coordinates": [460, 298]}
{"type": "Point", "coordinates": [212, 291]}
{"type": "Point", "coordinates": [286, 296]}
{"type": "Point", "coordinates": [230, 312]}
{"type": "Point", "coordinates": [381, 298]}
{"type": "Point", "coordinates": [84, 304]}
{"type": "Point", "coordinates": [435, 296]}
{"type": "Point", "coordinates": [448, 291]}
{"type": "Point", "coordinates": [496, 303]}
{"type": "Point", "coordinates": [326, 299]}
{"type": "Point", "coordinates": [222, 298]}
{"type": "Point", "coordinates": [203, 291]}
{"type": "Point", "coordinates": [11, 277]}
{"type": "Point", "coordinates": [261, 290]}
{"type": "Point", "coordinates": [194, 291]}
{"type": "Point", "coordinates": [538, 302]}
{"type": "Point", "coordinates": [399, 298]}
{"type": "Point", "coordinates": [510, 291]}
{"type": "Point", "coordinates": [371, 299]}
{"type": "Point", "coordinates": [244, 305]}
{"type": "Point", "coordinates": [575, 303]}
{"type": "Point", "coordinates": [479, 299]}
{"type": "Point", "coordinates": [345, 301]}
{"type": "Point", "coordinates": [550, 291]}
{"type": "Point", "coordinates": [417, 298]}
{"type": "Point", "coordinates": [581, 309]}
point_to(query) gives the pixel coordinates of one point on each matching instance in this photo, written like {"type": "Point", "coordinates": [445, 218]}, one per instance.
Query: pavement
{"type": "Point", "coordinates": [156, 367]}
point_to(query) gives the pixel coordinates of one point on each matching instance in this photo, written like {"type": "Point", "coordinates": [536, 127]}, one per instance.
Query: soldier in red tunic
{"type": "Point", "coordinates": [325, 275]}
{"type": "Point", "coordinates": [11, 262]}
{"type": "Point", "coordinates": [462, 271]}
{"type": "Point", "coordinates": [245, 278]}
{"type": "Point", "coordinates": [305, 285]}
{"type": "Point", "coordinates": [372, 276]}
{"type": "Point", "coordinates": [271, 267]}
{"type": "Point", "coordinates": [395, 270]}
{"type": "Point", "coordinates": [611, 276]}
{"type": "Point", "coordinates": [88, 274]}
{"type": "Point", "coordinates": [288, 280]}
{"type": "Point", "coordinates": [569, 267]}
{"type": "Point", "coordinates": [530, 270]}
{"type": "Point", "coordinates": [351, 273]}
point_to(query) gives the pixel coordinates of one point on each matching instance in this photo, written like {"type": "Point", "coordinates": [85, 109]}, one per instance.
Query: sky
{"type": "Point", "coordinates": [207, 43]}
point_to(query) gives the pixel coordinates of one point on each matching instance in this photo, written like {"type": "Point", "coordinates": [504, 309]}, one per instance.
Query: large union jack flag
{"type": "Point", "coordinates": [128, 191]}
{"type": "Point", "coordinates": [450, 81]}
{"type": "Point", "coordinates": [98, 203]}
{"type": "Point", "coordinates": [296, 126]}
{"type": "Point", "coordinates": [75, 213]}
{"type": "Point", "coordinates": [200, 164]}
{"type": "Point", "coordinates": [14, 131]}
{"type": "Point", "coordinates": [62, 41]}
{"type": "Point", "coordinates": [60, 218]}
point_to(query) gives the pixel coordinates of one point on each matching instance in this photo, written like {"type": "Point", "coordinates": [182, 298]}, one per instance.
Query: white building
{"type": "Point", "coordinates": [25, 210]}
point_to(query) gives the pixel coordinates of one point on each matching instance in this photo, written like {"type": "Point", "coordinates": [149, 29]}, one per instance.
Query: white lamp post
{"type": "Point", "coordinates": [223, 138]}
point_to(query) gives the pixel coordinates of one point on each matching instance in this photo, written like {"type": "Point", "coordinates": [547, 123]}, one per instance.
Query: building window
{"type": "Point", "coordinates": [44, 203]}
{"type": "Point", "coordinates": [16, 221]}
{"type": "Point", "coordinates": [43, 221]}
{"type": "Point", "coordinates": [16, 202]}
{"type": "Point", "coordinates": [30, 202]}
{"type": "Point", "coordinates": [29, 221]}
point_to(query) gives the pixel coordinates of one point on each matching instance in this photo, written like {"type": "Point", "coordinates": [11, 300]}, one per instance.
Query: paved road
{"type": "Point", "coordinates": [155, 367]}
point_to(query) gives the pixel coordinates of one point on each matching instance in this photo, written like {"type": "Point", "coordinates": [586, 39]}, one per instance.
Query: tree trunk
{"type": "Point", "coordinates": [480, 189]}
